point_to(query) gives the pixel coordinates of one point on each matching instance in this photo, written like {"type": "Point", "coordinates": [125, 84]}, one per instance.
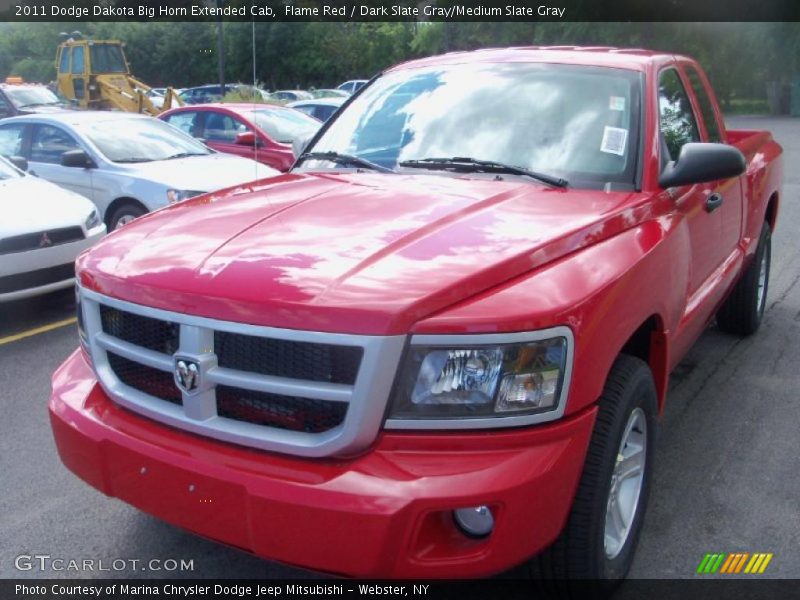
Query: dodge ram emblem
{"type": "Point", "coordinates": [187, 374]}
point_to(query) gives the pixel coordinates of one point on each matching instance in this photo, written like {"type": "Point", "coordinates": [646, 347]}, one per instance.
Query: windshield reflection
{"type": "Point", "coordinates": [141, 140]}
{"type": "Point", "coordinates": [576, 122]}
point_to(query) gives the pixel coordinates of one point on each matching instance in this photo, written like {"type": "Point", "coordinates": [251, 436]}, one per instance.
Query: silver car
{"type": "Point", "coordinates": [127, 164]}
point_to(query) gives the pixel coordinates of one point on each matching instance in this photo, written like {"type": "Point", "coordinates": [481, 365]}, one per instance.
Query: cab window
{"type": "Point", "coordinates": [11, 140]}
{"type": "Point", "coordinates": [222, 128]}
{"type": "Point", "coordinates": [49, 143]}
{"type": "Point", "coordinates": [188, 122]}
{"type": "Point", "coordinates": [77, 60]}
{"type": "Point", "coordinates": [63, 66]}
{"type": "Point", "coordinates": [706, 108]}
{"type": "Point", "coordinates": [677, 121]}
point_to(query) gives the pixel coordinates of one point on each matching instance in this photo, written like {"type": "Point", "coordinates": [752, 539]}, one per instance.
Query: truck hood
{"type": "Point", "coordinates": [30, 204]}
{"type": "Point", "coordinates": [346, 252]}
{"type": "Point", "coordinates": [201, 173]}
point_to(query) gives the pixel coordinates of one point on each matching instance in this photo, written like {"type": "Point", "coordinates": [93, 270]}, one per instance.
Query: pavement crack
{"type": "Point", "coordinates": [785, 293]}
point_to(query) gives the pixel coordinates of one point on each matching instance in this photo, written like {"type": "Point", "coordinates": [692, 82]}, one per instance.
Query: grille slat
{"type": "Point", "coordinates": [145, 379]}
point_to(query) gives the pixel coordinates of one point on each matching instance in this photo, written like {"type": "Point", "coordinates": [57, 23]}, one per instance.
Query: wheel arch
{"type": "Point", "coordinates": [121, 201]}
{"type": "Point", "coordinates": [649, 343]}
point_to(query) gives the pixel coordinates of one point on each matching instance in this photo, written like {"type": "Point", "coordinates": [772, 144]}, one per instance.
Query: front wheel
{"type": "Point", "coordinates": [604, 523]}
{"type": "Point", "coordinates": [124, 215]}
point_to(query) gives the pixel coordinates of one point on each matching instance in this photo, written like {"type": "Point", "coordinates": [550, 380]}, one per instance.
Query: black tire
{"type": "Point", "coordinates": [127, 211]}
{"type": "Point", "coordinates": [580, 551]}
{"type": "Point", "coordinates": [742, 311]}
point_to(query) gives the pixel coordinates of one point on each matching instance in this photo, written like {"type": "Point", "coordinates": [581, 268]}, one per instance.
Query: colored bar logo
{"type": "Point", "coordinates": [734, 563]}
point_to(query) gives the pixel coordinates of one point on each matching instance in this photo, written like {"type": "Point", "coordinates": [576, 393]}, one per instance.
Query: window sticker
{"type": "Point", "coordinates": [614, 140]}
{"type": "Point", "coordinates": [616, 103]}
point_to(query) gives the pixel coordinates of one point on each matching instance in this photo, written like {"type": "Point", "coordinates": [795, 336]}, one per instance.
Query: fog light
{"type": "Point", "coordinates": [474, 522]}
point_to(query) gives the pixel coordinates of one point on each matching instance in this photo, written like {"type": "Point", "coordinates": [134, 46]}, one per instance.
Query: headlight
{"type": "Point", "coordinates": [512, 379]}
{"type": "Point", "coordinates": [174, 196]}
{"type": "Point", "coordinates": [92, 221]}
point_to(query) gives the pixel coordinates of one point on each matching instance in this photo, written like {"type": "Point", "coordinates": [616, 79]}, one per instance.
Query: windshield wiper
{"type": "Point", "coordinates": [185, 154]}
{"type": "Point", "coordinates": [463, 163]}
{"type": "Point", "coordinates": [133, 160]}
{"type": "Point", "coordinates": [344, 159]}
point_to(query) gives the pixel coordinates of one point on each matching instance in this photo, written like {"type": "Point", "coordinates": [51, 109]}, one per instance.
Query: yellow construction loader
{"type": "Point", "coordinates": [95, 74]}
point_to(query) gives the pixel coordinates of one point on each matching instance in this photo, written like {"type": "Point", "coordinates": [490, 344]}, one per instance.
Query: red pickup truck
{"type": "Point", "coordinates": [438, 346]}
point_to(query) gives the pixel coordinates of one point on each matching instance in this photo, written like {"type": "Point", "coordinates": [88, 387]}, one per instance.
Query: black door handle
{"type": "Point", "coordinates": [713, 202]}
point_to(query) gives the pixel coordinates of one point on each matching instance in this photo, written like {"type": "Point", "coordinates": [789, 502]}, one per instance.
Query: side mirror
{"type": "Point", "coordinates": [699, 162]}
{"type": "Point", "coordinates": [299, 144]}
{"type": "Point", "coordinates": [246, 138]}
{"type": "Point", "coordinates": [19, 162]}
{"type": "Point", "coordinates": [77, 158]}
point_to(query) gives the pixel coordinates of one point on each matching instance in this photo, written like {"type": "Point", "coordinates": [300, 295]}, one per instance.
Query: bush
{"type": "Point", "coordinates": [742, 106]}
{"type": "Point", "coordinates": [244, 94]}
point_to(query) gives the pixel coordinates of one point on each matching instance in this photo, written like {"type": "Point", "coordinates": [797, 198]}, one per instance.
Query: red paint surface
{"type": "Point", "coordinates": [372, 253]}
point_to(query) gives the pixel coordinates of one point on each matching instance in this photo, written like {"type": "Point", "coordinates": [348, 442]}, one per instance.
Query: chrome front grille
{"type": "Point", "coordinates": [298, 392]}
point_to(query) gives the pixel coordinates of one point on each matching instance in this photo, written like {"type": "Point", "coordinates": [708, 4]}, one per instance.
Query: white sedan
{"type": "Point", "coordinates": [42, 231]}
{"type": "Point", "coordinates": [127, 164]}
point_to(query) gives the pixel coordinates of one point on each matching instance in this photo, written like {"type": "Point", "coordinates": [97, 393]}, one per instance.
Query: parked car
{"type": "Point", "coordinates": [201, 94]}
{"type": "Point", "coordinates": [43, 229]}
{"type": "Point", "coordinates": [263, 132]}
{"type": "Point", "coordinates": [127, 164]}
{"type": "Point", "coordinates": [156, 96]}
{"type": "Point", "coordinates": [439, 347]}
{"type": "Point", "coordinates": [328, 93]}
{"type": "Point", "coordinates": [213, 93]}
{"type": "Point", "coordinates": [27, 98]}
{"type": "Point", "coordinates": [352, 86]}
{"type": "Point", "coordinates": [290, 95]}
{"type": "Point", "coordinates": [321, 108]}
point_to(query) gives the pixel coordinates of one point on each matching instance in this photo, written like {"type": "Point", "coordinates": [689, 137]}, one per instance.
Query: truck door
{"type": "Point", "coordinates": [220, 133]}
{"type": "Point", "coordinates": [678, 126]}
{"type": "Point", "coordinates": [729, 191]}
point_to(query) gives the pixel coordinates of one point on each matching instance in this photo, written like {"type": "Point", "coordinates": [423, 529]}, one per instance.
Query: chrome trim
{"type": "Point", "coordinates": [149, 358]}
{"type": "Point", "coordinates": [471, 340]}
{"type": "Point", "coordinates": [316, 390]}
{"type": "Point", "coordinates": [367, 397]}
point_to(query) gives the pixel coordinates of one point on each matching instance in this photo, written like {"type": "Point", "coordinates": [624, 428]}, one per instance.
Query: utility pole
{"type": "Point", "coordinates": [220, 50]}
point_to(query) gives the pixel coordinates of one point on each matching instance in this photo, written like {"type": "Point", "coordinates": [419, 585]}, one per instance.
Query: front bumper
{"type": "Point", "coordinates": [385, 513]}
{"type": "Point", "coordinates": [42, 270]}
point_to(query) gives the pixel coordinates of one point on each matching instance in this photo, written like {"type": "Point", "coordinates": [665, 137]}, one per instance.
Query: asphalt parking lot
{"type": "Point", "coordinates": [725, 479]}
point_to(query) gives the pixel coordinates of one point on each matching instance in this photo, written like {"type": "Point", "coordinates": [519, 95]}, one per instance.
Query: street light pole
{"type": "Point", "coordinates": [220, 51]}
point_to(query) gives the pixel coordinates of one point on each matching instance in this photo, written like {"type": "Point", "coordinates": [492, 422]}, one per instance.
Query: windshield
{"type": "Point", "coordinates": [107, 58]}
{"type": "Point", "coordinates": [141, 140]}
{"type": "Point", "coordinates": [284, 125]}
{"type": "Point", "coordinates": [7, 171]}
{"type": "Point", "coordinates": [31, 96]}
{"type": "Point", "coordinates": [575, 122]}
